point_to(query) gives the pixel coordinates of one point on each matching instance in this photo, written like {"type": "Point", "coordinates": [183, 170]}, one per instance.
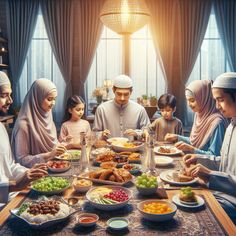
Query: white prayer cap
{"type": "Point", "coordinates": [226, 80]}
{"type": "Point", "coordinates": [4, 80]}
{"type": "Point", "coordinates": [123, 81]}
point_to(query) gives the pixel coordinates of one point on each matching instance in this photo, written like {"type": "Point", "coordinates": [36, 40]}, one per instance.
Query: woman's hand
{"type": "Point", "coordinates": [185, 147]}
{"type": "Point", "coordinates": [171, 137]}
{"type": "Point", "coordinates": [58, 150]}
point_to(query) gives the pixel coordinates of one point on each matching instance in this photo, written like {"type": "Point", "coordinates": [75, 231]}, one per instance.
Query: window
{"type": "Point", "coordinates": [145, 69]}
{"type": "Point", "coordinates": [211, 60]}
{"type": "Point", "coordinates": [41, 63]}
{"type": "Point", "coordinates": [107, 62]}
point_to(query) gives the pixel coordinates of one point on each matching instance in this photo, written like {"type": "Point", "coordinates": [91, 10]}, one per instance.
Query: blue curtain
{"type": "Point", "coordinates": [225, 12]}
{"type": "Point", "coordinates": [21, 20]}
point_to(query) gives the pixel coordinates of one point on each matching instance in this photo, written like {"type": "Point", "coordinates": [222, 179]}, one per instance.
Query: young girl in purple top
{"type": "Point", "coordinates": [73, 122]}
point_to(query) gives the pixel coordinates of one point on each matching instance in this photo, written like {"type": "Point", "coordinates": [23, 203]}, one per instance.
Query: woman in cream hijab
{"type": "Point", "coordinates": [34, 137]}
{"type": "Point", "coordinates": [209, 125]}
{"type": "Point", "coordinates": [13, 176]}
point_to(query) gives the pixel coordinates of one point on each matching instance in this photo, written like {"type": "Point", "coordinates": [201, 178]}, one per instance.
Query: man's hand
{"type": "Point", "coordinates": [190, 159]}
{"type": "Point", "coordinates": [130, 132]}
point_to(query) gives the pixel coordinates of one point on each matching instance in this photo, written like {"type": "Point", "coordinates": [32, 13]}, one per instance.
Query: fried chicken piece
{"type": "Point", "coordinates": [106, 174]}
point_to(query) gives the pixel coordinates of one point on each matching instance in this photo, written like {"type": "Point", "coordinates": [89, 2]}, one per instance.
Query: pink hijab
{"type": "Point", "coordinates": [208, 118]}
{"type": "Point", "coordinates": [41, 128]}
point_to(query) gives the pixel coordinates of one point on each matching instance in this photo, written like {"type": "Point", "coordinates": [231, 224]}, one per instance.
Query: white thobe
{"type": "Point", "coordinates": [118, 118]}
{"type": "Point", "coordinates": [224, 180]}
{"type": "Point", "coordinates": [9, 170]}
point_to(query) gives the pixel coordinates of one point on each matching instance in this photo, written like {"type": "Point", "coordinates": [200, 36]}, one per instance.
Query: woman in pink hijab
{"type": "Point", "coordinates": [209, 125]}
{"type": "Point", "coordinates": [34, 137]}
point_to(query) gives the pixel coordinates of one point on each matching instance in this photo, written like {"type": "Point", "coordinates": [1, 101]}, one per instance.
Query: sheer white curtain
{"type": "Point", "coordinates": [40, 63]}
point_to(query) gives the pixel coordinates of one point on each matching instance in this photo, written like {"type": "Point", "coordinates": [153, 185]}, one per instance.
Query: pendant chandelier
{"type": "Point", "coordinates": [124, 16]}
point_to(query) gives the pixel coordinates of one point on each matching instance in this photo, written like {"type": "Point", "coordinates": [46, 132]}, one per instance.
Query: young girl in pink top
{"type": "Point", "coordinates": [73, 124]}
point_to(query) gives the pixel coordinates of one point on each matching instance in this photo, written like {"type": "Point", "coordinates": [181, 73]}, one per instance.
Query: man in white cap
{"type": "Point", "coordinates": [223, 178]}
{"type": "Point", "coordinates": [13, 176]}
{"type": "Point", "coordinates": [120, 115]}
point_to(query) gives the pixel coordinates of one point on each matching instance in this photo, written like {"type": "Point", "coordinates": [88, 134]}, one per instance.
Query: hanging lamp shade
{"type": "Point", "coordinates": [124, 16]}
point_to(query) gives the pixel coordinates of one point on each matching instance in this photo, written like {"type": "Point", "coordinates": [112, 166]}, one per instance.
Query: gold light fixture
{"type": "Point", "coordinates": [124, 16]}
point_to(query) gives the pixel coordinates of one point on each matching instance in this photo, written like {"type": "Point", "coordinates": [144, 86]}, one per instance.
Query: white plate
{"type": "Point", "coordinates": [71, 151]}
{"type": "Point", "coordinates": [200, 202]}
{"type": "Point", "coordinates": [109, 207]}
{"type": "Point", "coordinates": [117, 139]}
{"type": "Point", "coordinates": [174, 150]}
{"type": "Point", "coordinates": [163, 160]}
{"type": "Point", "coordinates": [167, 177]}
{"type": "Point", "coordinates": [121, 148]}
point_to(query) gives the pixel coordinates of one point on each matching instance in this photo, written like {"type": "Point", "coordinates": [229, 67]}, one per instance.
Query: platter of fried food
{"type": "Point", "coordinates": [120, 158]}
{"type": "Point", "coordinates": [167, 150]}
{"type": "Point", "coordinates": [127, 146]}
{"type": "Point", "coordinates": [177, 177]}
{"type": "Point", "coordinates": [108, 176]}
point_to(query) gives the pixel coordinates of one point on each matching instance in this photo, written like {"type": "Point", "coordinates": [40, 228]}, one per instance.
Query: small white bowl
{"type": "Point", "coordinates": [118, 223]}
{"type": "Point", "coordinates": [81, 188]}
{"type": "Point", "coordinates": [157, 217]}
{"type": "Point", "coordinates": [84, 216]}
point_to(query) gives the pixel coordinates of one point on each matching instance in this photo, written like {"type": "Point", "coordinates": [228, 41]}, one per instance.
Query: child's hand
{"type": "Point", "coordinates": [68, 138]}
{"type": "Point", "coordinates": [184, 147]}
{"type": "Point", "coordinates": [171, 137]}
{"type": "Point", "coordinates": [130, 132]}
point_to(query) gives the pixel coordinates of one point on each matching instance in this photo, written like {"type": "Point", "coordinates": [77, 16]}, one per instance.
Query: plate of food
{"type": "Point", "coordinates": [58, 166]}
{"type": "Point", "coordinates": [177, 177]}
{"type": "Point", "coordinates": [117, 140]}
{"type": "Point", "coordinates": [43, 213]}
{"type": "Point", "coordinates": [133, 146]}
{"type": "Point", "coordinates": [188, 198]}
{"type": "Point", "coordinates": [112, 176]}
{"type": "Point", "coordinates": [163, 160]}
{"type": "Point", "coordinates": [132, 168]}
{"type": "Point", "coordinates": [167, 150]}
{"type": "Point", "coordinates": [99, 151]}
{"type": "Point", "coordinates": [70, 155]}
{"type": "Point", "coordinates": [109, 197]}
{"type": "Point", "coordinates": [50, 185]}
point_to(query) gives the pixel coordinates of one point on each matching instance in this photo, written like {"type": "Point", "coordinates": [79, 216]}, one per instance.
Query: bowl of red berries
{"type": "Point", "coordinates": [58, 166]}
{"type": "Point", "coordinates": [108, 197]}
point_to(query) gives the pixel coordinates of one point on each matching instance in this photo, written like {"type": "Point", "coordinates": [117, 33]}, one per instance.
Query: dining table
{"type": "Point", "coordinates": [209, 219]}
